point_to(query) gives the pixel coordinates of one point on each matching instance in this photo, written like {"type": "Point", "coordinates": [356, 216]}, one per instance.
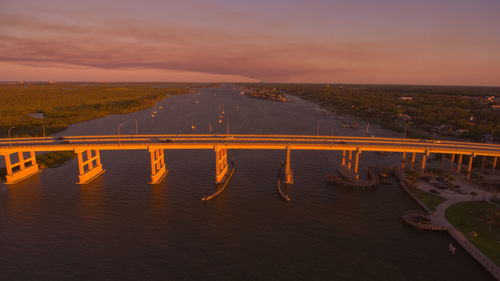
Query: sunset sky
{"type": "Point", "coordinates": [454, 42]}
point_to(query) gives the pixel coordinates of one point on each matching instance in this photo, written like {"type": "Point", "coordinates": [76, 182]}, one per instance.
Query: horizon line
{"type": "Point", "coordinates": [225, 82]}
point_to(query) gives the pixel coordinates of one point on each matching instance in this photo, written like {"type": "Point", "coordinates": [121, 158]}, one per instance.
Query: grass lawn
{"type": "Point", "coordinates": [430, 200]}
{"type": "Point", "coordinates": [469, 217]}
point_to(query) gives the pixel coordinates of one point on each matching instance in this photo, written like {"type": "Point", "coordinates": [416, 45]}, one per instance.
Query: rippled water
{"type": "Point", "coordinates": [120, 228]}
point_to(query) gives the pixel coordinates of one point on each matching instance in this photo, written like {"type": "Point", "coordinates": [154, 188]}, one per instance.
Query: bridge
{"type": "Point", "coordinates": [20, 160]}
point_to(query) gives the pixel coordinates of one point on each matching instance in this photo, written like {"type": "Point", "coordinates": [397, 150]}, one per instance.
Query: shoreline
{"type": "Point", "coordinates": [443, 224]}
{"type": "Point", "coordinates": [80, 104]}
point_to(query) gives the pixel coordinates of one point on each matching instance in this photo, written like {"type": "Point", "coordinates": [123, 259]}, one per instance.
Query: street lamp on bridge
{"type": "Point", "coordinates": [121, 124]}
{"type": "Point", "coordinates": [10, 140]}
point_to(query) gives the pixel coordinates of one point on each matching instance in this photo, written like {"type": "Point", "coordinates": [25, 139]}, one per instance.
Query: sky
{"type": "Point", "coordinates": [438, 42]}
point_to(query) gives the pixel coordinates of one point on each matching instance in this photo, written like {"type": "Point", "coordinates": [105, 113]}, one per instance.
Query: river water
{"type": "Point", "coordinates": [120, 228]}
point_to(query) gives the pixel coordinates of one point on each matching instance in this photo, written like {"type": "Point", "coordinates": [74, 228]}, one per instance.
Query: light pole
{"type": "Point", "coordinates": [121, 124]}
{"type": "Point", "coordinates": [10, 140]}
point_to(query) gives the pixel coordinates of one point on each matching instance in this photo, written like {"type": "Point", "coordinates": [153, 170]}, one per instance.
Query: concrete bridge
{"type": "Point", "coordinates": [20, 161]}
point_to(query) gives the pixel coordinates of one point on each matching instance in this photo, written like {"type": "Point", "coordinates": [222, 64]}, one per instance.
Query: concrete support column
{"type": "Point", "coordinates": [494, 166]}
{"type": "Point", "coordinates": [221, 166]}
{"type": "Point", "coordinates": [27, 167]}
{"type": "Point", "coordinates": [20, 157]}
{"type": "Point", "coordinates": [93, 171]}
{"type": "Point", "coordinates": [356, 163]}
{"type": "Point", "coordinates": [424, 160]}
{"type": "Point", "coordinates": [32, 157]}
{"type": "Point", "coordinates": [452, 162]}
{"type": "Point", "coordinates": [98, 157]}
{"type": "Point", "coordinates": [343, 157]}
{"type": "Point", "coordinates": [8, 164]}
{"type": "Point", "coordinates": [152, 161]}
{"type": "Point", "coordinates": [469, 168]}
{"type": "Point", "coordinates": [413, 159]}
{"type": "Point", "coordinates": [288, 170]}
{"type": "Point", "coordinates": [403, 160]}
{"type": "Point", "coordinates": [89, 156]}
{"type": "Point", "coordinates": [158, 167]}
{"type": "Point", "coordinates": [483, 161]}
{"type": "Point", "coordinates": [349, 163]}
{"type": "Point", "coordinates": [459, 168]}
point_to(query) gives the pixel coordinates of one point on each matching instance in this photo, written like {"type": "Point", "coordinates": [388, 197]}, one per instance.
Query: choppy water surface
{"type": "Point", "coordinates": [120, 228]}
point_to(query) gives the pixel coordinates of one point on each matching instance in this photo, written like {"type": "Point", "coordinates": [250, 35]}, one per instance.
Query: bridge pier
{"type": "Point", "coordinates": [459, 168]}
{"type": "Point", "coordinates": [221, 166]}
{"type": "Point", "coordinates": [403, 160]}
{"type": "Point", "coordinates": [452, 162]}
{"type": "Point", "coordinates": [494, 166]}
{"type": "Point", "coordinates": [343, 157]}
{"type": "Point", "coordinates": [349, 163]}
{"type": "Point", "coordinates": [158, 167]}
{"type": "Point", "coordinates": [27, 167]}
{"type": "Point", "coordinates": [413, 156]}
{"type": "Point", "coordinates": [469, 168]}
{"type": "Point", "coordinates": [356, 163]}
{"type": "Point", "coordinates": [288, 170]}
{"type": "Point", "coordinates": [91, 167]}
{"type": "Point", "coordinates": [424, 160]}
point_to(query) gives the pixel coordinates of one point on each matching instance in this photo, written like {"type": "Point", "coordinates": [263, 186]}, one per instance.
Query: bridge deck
{"type": "Point", "coordinates": [277, 142]}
